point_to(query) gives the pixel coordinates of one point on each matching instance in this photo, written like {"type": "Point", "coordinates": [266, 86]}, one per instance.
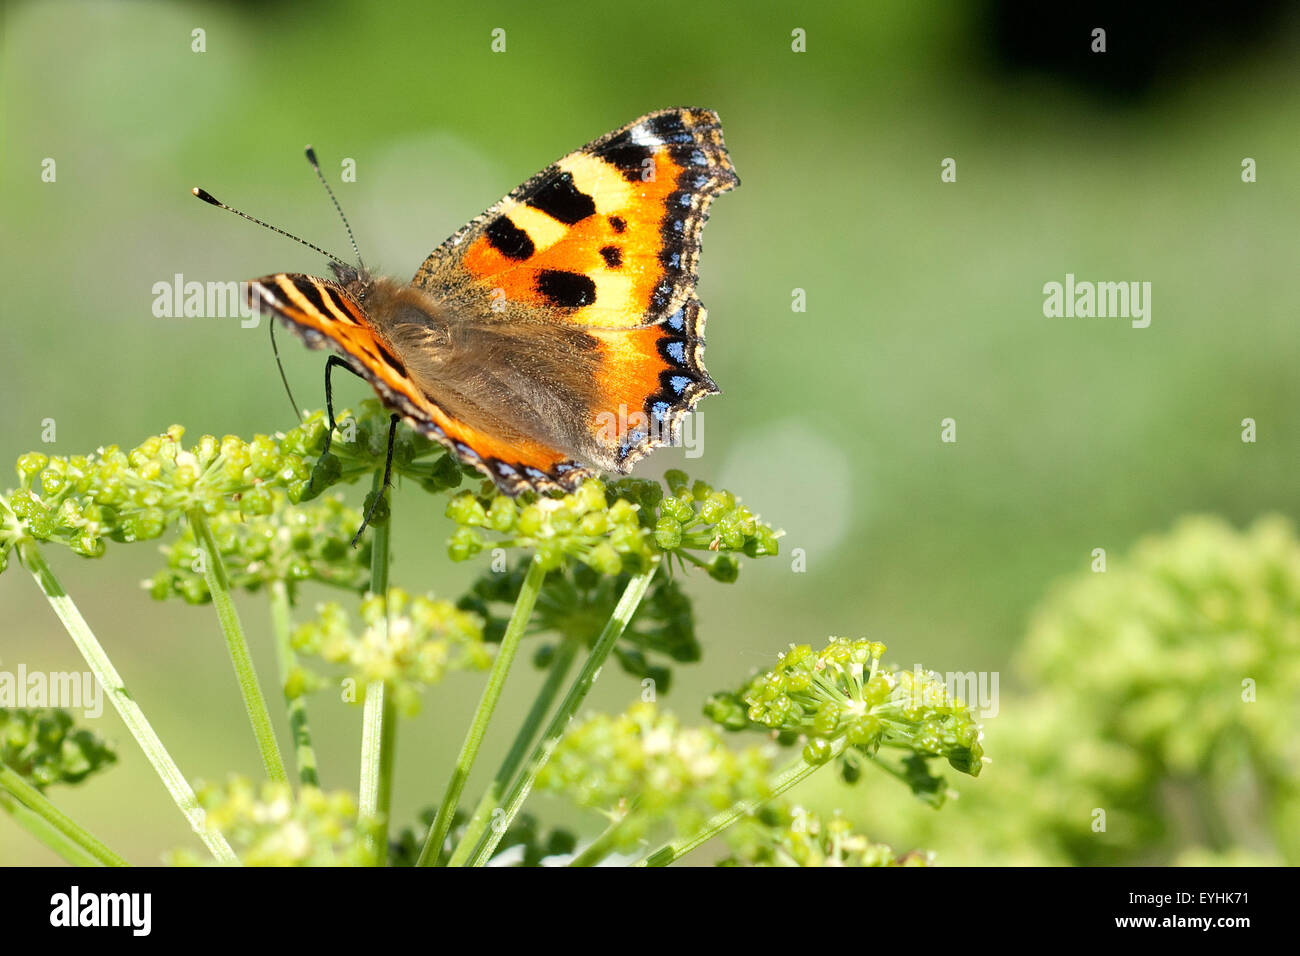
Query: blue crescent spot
{"type": "Point", "coordinates": [634, 438]}
{"type": "Point", "coordinates": [678, 352]}
{"type": "Point", "coordinates": [679, 383]}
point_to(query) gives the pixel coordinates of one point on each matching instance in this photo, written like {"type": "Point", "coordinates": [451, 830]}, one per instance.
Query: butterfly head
{"type": "Point", "coordinates": [356, 281]}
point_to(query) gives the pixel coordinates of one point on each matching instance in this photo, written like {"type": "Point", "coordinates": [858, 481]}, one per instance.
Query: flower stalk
{"type": "Point", "coordinates": [613, 630]}
{"type": "Point", "coordinates": [532, 586]}
{"type": "Point", "coordinates": [52, 826]}
{"type": "Point", "coordinates": [240, 656]}
{"type": "Point", "coordinates": [111, 682]}
{"type": "Point", "coordinates": [379, 720]}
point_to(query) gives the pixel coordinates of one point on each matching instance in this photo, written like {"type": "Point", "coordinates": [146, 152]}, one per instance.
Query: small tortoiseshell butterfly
{"type": "Point", "coordinates": [557, 334]}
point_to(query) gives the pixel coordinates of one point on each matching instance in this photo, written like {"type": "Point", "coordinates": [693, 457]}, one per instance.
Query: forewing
{"type": "Point", "coordinates": [607, 237]}
{"type": "Point", "coordinates": [325, 316]}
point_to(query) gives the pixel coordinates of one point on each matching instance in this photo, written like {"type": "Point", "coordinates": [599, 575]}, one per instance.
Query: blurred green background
{"type": "Point", "coordinates": [924, 302]}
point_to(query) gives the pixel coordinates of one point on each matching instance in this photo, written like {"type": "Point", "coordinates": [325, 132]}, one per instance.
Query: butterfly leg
{"type": "Point", "coordinates": [330, 364]}
{"type": "Point", "coordinates": [275, 350]}
{"type": "Point", "coordinates": [383, 488]}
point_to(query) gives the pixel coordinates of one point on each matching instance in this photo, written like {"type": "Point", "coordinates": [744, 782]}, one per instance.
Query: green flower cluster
{"type": "Point", "coordinates": [1179, 667]}
{"type": "Point", "coordinates": [645, 760]}
{"type": "Point", "coordinates": [115, 495]}
{"type": "Point", "coordinates": [784, 835]}
{"type": "Point", "coordinates": [293, 543]}
{"type": "Point", "coordinates": [84, 501]}
{"type": "Point", "coordinates": [1194, 639]}
{"type": "Point", "coordinates": [576, 602]}
{"type": "Point", "coordinates": [408, 642]}
{"type": "Point", "coordinates": [44, 747]}
{"type": "Point", "coordinates": [840, 692]}
{"type": "Point", "coordinates": [268, 826]}
{"type": "Point", "coordinates": [611, 526]}
{"type": "Point", "coordinates": [695, 517]}
{"type": "Point", "coordinates": [580, 525]}
{"type": "Point", "coordinates": [361, 441]}
{"type": "Point", "coordinates": [1160, 725]}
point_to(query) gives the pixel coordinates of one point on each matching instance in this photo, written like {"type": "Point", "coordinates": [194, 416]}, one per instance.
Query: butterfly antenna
{"type": "Point", "coordinates": [207, 197]}
{"type": "Point", "coordinates": [311, 158]}
{"type": "Point", "coordinates": [280, 365]}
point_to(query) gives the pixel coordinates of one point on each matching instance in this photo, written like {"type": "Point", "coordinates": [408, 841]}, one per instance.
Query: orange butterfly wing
{"type": "Point", "coordinates": [604, 241]}
{"type": "Point", "coordinates": [607, 239]}
{"type": "Point", "coordinates": [324, 315]}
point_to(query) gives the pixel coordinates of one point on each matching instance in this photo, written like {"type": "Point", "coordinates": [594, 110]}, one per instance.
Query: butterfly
{"type": "Point", "coordinates": [555, 336]}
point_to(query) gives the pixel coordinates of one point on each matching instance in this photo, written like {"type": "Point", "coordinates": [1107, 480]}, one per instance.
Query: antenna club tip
{"type": "Point", "coordinates": [311, 153]}
{"type": "Point", "coordinates": [205, 195]}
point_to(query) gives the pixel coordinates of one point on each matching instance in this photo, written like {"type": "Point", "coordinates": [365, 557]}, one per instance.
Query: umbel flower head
{"type": "Point", "coordinates": [293, 543]}
{"type": "Point", "coordinates": [124, 496]}
{"type": "Point", "coordinates": [268, 826]}
{"type": "Point", "coordinates": [85, 501]}
{"type": "Point", "coordinates": [121, 495]}
{"type": "Point", "coordinates": [579, 525]}
{"type": "Point", "coordinates": [1172, 641]}
{"type": "Point", "coordinates": [408, 642]}
{"type": "Point", "coordinates": [616, 526]}
{"type": "Point", "coordinates": [647, 758]}
{"type": "Point", "coordinates": [1166, 679]}
{"type": "Point", "coordinates": [841, 693]}
{"type": "Point", "coordinates": [785, 835]}
{"type": "Point", "coordinates": [694, 517]}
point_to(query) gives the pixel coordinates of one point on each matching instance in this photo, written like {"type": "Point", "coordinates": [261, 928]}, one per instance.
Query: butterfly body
{"type": "Point", "coordinates": [557, 334]}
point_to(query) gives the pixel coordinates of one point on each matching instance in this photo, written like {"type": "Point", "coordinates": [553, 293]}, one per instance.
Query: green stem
{"type": "Point", "coordinates": [379, 719]}
{"type": "Point", "coordinates": [582, 684]}
{"type": "Point", "coordinates": [296, 707]}
{"type": "Point", "coordinates": [39, 828]}
{"type": "Point", "coordinates": [378, 747]}
{"type": "Point", "coordinates": [565, 654]}
{"type": "Point", "coordinates": [127, 708]}
{"type": "Point", "coordinates": [795, 772]}
{"type": "Point", "coordinates": [219, 587]}
{"type": "Point", "coordinates": [52, 826]}
{"type": "Point", "coordinates": [532, 586]}
{"type": "Point", "coordinates": [603, 845]}
{"type": "Point", "coordinates": [559, 669]}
